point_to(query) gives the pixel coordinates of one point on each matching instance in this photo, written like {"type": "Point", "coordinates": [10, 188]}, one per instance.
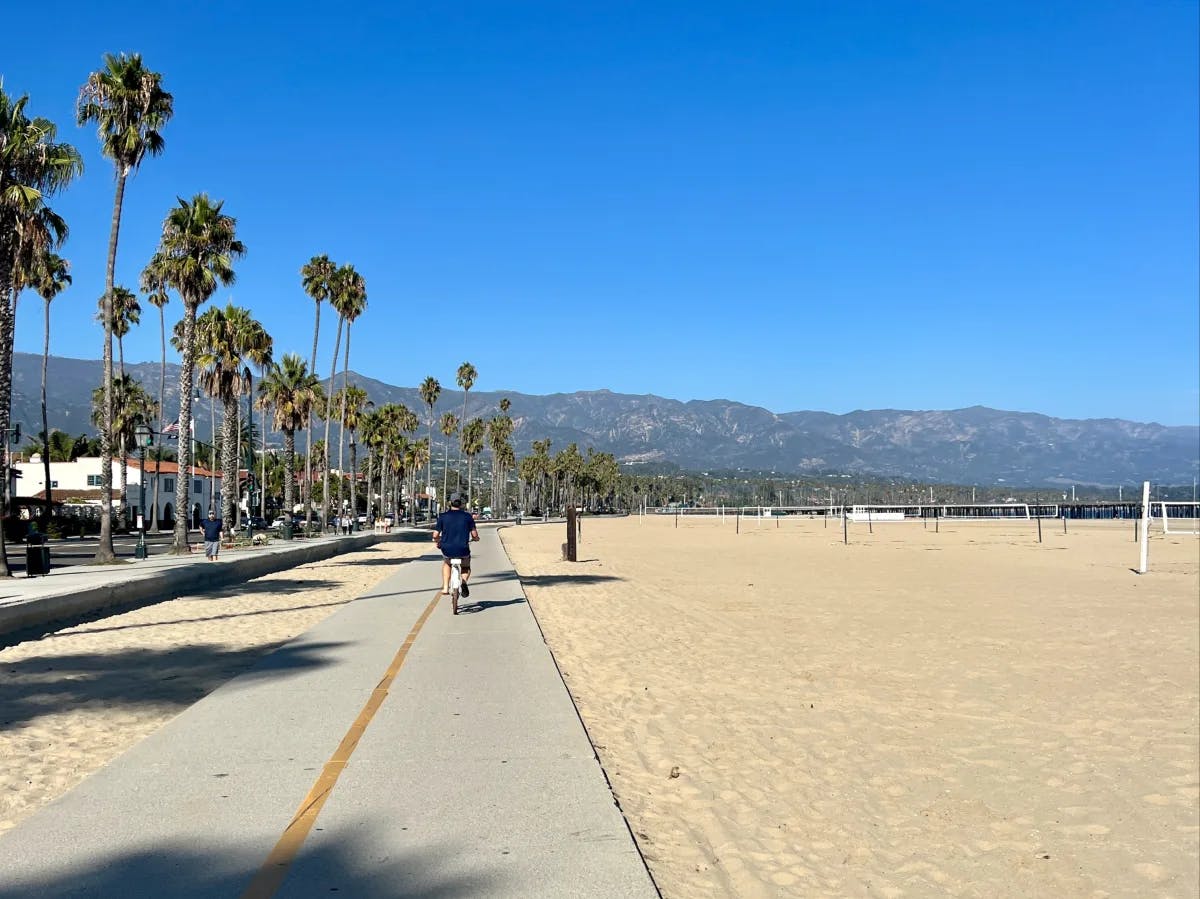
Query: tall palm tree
{"type": "Point", "coordinates": [471, 441]}
{"type": "Point", "coordinates": [226, 341]}
{"type": "Point", "coordinates": [53, 276]}
{"type": "Point", "coordinates": [131, 406]}
{"type": "Point", "coordinates": [195, 256]}
{"type": "Point", "coordinates": [354, 405]}
{"type": "Point", "coordinates": [449, 427]}
{"type": "Point", "coordinates": [289, 390]}
{"type": "Point", "coordinates": [157, 296]}
{"type": "Point", "coordinates": [126, 312]}
{"type": "Point", "coordinates": [34, 165]}
{"type": "Point", "coordinates": [316, 276]}
{"type": "Point", "coordinates": [370, 426]}
{"type": "Point", "coordinates": [430, 390]}
{"type": "Point", "coordinates": [347, 292]}
{"type": "Point", "coordinates": [465, 377]}
{"type": "Point", "coordinates": [349, 299]}
{"type": "Point", "coordinates": [126, 102]}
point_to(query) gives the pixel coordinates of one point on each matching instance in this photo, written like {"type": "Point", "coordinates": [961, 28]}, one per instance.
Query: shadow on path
{"type": "Point", "coordinates": [335, 867]}
{"type": "Point", "coordinates": [472, 608]}
{"type": "Point", "coordinates": [176, 676]}
{"type": "Point", "coordinates": [551, 580]}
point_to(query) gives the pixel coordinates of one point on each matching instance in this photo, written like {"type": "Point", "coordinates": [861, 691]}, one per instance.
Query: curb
{"type": "Point", "coordinates": [170, 583]}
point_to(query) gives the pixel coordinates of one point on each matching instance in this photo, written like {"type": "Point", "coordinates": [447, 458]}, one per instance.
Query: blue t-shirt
{"type": "Point", "coordinates": [212, 529]}
{"type": "Point", "coordinates": [455, 526]}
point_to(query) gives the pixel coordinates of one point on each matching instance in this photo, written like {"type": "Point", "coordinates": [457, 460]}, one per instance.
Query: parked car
{"type": "Point", "coordinates": [279, 522]}
{"type": "Point", "coordinates": [256, 521]}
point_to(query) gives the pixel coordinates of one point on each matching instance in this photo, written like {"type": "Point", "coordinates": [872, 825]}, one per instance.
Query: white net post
{"type": "Point", "coordinates": [1142, 564]}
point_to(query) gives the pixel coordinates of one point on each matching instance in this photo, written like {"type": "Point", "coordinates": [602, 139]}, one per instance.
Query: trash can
{"type": "Point", "coordinates": [285, 530]}
{"type": "Point", "coordinates": [37, 559]}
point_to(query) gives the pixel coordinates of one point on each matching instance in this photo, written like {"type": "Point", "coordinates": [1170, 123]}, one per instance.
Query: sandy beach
{"type": "Point", "coordinates": [75, 699]}
{"type": "Point", "coordinates": [965, 713]}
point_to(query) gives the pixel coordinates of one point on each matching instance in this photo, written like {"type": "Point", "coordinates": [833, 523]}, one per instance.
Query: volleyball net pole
{"type": "Point", "coordinates": [1145, 554]}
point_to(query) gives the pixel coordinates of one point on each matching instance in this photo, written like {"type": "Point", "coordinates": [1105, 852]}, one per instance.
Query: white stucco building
{"type": "Point", "coordinates": [79, 481]}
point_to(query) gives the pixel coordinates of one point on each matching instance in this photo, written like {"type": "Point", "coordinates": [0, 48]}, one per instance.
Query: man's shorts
{"type": "Point", "coordinates": [466, 560]}
{"type": "Point", "coordinates": [212, 547]}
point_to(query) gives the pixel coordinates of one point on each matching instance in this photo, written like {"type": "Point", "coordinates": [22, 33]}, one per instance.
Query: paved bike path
{"type": "Point", "coordinates": [473, 777]}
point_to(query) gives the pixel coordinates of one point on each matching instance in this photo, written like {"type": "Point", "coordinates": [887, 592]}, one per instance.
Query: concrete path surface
{"type": "Point", "coordinates": [392, 751]}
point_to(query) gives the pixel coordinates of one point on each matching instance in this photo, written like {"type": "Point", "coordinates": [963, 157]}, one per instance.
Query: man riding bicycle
{"type": "Point", "coordinates": [452, 534]}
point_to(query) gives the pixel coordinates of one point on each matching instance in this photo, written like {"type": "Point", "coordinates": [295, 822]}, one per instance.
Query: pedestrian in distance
{"type": "Point", "coordinates": [452, 534]}
{"type": "Point", "coordinates": [212, 535]}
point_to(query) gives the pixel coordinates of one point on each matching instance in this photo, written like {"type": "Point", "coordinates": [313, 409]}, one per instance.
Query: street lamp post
{"type": "Point", "coordinates": [145, 437]}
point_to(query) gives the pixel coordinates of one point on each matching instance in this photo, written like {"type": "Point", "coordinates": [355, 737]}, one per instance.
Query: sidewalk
{"type": "Point", "coordinates": [82, 589]}
{"type": "Point", "coordinates": [468, 774]}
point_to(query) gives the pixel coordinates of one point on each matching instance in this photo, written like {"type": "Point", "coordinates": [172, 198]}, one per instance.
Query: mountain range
{"type": "Point", "coordinates": [976, 445]}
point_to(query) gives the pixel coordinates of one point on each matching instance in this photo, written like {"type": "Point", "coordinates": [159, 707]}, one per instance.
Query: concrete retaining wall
{"type": "Point", "coordinates": [129, 586]}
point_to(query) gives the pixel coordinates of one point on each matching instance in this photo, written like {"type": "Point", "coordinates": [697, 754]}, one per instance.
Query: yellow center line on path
{"type": "Point", "coordinates": [273, 871]}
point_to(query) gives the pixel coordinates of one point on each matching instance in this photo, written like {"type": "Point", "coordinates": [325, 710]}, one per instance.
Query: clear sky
{"type": "Point", "coordinates": [833, 206]}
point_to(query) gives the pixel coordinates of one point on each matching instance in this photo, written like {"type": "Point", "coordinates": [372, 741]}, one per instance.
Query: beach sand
{"type": "Point", "coordinates": [965, 713]}
{"type": "Point", "coordinates": [73, 700]}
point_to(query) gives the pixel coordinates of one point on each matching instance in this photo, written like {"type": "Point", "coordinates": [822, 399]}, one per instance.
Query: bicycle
{"type": "Point", "coordinates": [455, 583]}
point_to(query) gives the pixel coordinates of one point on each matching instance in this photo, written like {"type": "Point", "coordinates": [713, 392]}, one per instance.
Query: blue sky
{"type": "Point", "coordinates": [829, 206]}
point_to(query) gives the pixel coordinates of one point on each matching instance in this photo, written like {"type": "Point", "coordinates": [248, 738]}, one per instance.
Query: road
{"type": "Point", "coordinates": [77, 551]}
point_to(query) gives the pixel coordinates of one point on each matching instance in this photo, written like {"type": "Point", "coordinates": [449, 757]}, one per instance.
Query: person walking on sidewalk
{"type": "Point", "coordinates": [452, 534]}
{"type": "Point", "coordinates": [212, 535]}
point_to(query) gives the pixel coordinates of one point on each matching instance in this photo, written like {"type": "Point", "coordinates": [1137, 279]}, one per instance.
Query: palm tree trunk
{"type": "Point", "coordinates": [337, 345]}
{"type": "Point", "coordinates": [353, 480]}
{"type": "Point", "coordinates": [429, 461]}
{"type": "Point", "coordinates": [6, 353]}
{"type": "Point", "coordinates": [306, 492]}
{"type": "Point", "coordinates": [183, 511]}
{"type": "Point", "coordinates": [262, 492]}
{"type": "Point", "coordinates": [104, 551]}
{"type": "Point", "coordinates": [45, 416]}
{"type": "Point", "coordinates": [289, 471]}
{"type": "Point", "coordinates": [229, 463]}
{"type": "Point", "coordinates": [162, 412]}
{"type": "Point", "coordinates": [123, 509]}
{"type": "Point", "coordinates": [342, 417]}
{"type": "Point", "coordinates": [462, 449]}
{"type": "Point", "coordinates": [445, 468]}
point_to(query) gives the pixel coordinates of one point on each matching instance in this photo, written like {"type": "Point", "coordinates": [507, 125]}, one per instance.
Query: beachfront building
{"type": "Point", "coordinates": [79, 482]}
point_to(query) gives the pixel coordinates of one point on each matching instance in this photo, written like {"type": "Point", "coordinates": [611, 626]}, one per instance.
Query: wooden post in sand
{"type": "Point", "coordinates": [570, 553]}
{"type": "Point", "coordinates": [1039, 517]}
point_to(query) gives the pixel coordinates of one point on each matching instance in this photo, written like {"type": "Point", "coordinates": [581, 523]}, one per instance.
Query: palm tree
{"type": "Point", "coordinates": [349, 299]}
{"type": "Point", "coordinates": [289, 390]}
{"type": "Point", "coordinates": [345, 286]}
{"type": "Point", "coordinates": [33, 167]}
{"type": "Point", "coordinates": [466, 377]}
{"type": "Point", "coordinates": [316, 276]}
{"type": "Point", "coordinates": [156, 294]}
{"type": "Point", "coordinates": [131, 406]}
{"type": "Point", "coordinates": [471, 441]}
{"type": "Point", "coordinates": [129, 107]}
{"type": "Point", "coordinates": [430, 390]}
{"type": "Point", "coordinates": [448, 427]}
{"type": "Point", "coordinates": [226, 340]}
{"type": "Point", "coordinates": [354, 404]}
{"type": "Point", "coordinates": [194, 256]}
{"type": "Point", "coordinates": [126, 312]}
{"type": "Point", "coordinates": [53, 275]}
